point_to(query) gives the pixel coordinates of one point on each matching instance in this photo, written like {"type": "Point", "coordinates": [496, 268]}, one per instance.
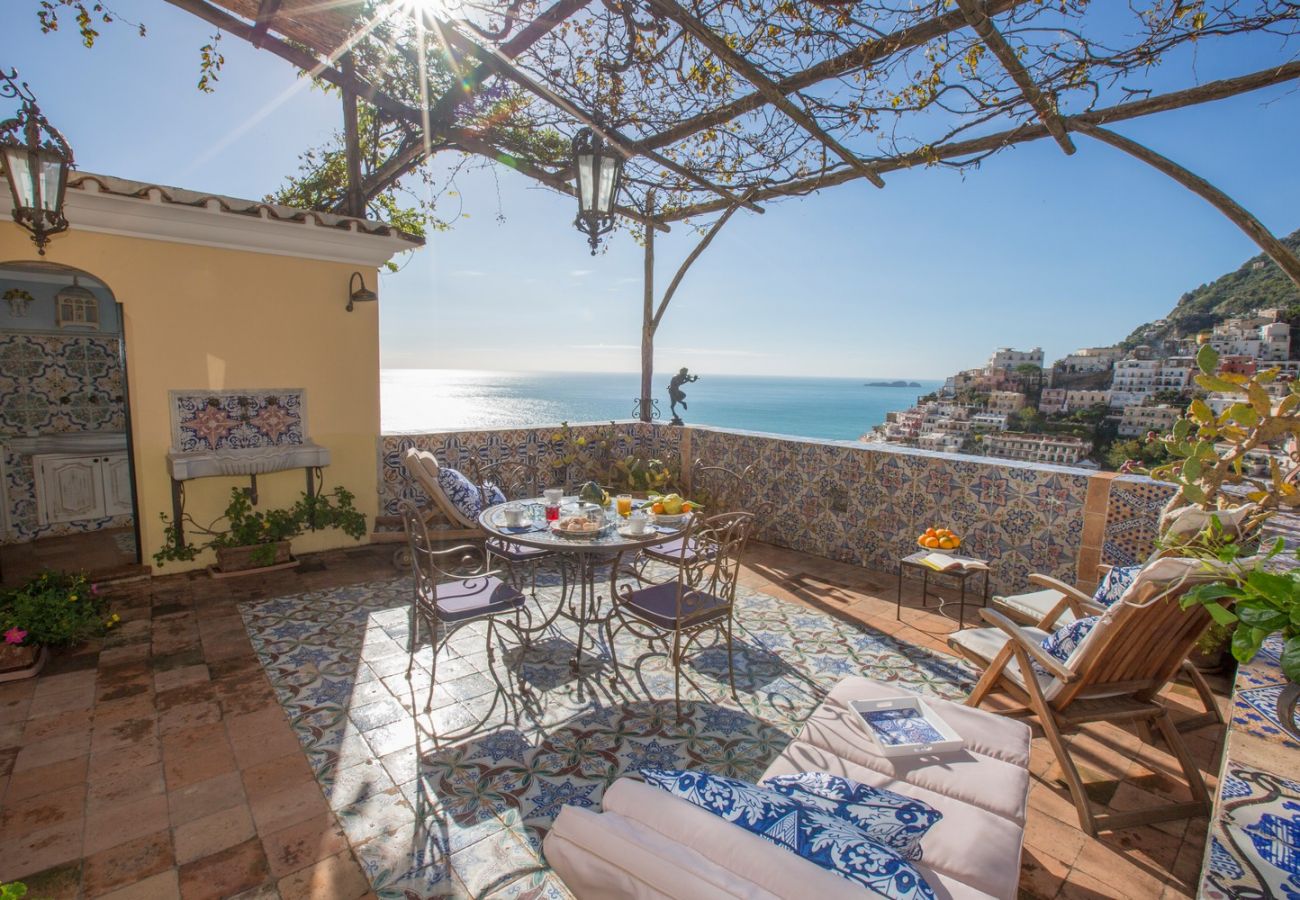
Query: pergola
{"type": "Point", "coordinates": [719, 105]}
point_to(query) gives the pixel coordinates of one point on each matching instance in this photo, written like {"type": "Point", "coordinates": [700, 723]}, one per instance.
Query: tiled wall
{"type": "Point", "coordinates": [866, 503]}
{"type": "Point", "coordinates": [55, 384]}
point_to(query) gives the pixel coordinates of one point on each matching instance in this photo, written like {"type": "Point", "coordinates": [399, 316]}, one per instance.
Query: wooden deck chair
{"type": "Point", "coordinates": [1057, 603]}
{"type": "Point", "coordinates": [1114, 675]}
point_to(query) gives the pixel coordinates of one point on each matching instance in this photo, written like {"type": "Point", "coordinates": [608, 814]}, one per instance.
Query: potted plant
{"type": "Point", "coordinates": [254, 540]}
{"type": "Point", "coordinates": [1219, 508]}
{"type": "Point", "coordinates": [54, 609]}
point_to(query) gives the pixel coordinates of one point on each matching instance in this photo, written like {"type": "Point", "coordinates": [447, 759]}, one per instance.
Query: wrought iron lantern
{"type": "Point", "coordinates": [36, 163]}
{"type": "Point", "coordinates": [597, 169]}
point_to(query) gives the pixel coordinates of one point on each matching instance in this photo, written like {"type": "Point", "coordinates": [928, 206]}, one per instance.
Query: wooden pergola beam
{"type": "Point", "coordinates": [266, 11]}
{"type": "Point", "coordinates": [1006, 55]}
{"type": "Point", "coordinates": [1234, 211]}
{"type": "Point", "coordinates": [858, 58]}
{"type": "Point", "coordinates": [1204, 93]}
{"type": "Point", "coordinates": [507, 69]}
{"type": "Point", "coordinates": [766, 87]}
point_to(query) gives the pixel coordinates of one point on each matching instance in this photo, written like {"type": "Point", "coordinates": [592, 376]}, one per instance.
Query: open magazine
{"type": "Point", "coordinates": [942, 562]}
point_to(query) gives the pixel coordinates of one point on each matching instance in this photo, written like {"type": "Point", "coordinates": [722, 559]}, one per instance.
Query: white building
{"type": "Point", "coordinates": [1089, 359]}
{"type": "Point", "coordinates": [1059, 400]}
{"type": "Point", "coordinates": [1044, 448]}
{"type": "Point", "coordinates": [1138, 420]}
{"type": "Point", "coordinates": [1005, 358]}
{"type": "Point", "coordinates": [988, 421]}
{"type": "Point", "coordinates": [1136, 379]}
{"type": "Point", "coordinates": [940, 442]}
{"type": "Point", "coordinates": [1257, 337]}
{"type": "Point", "coordinates": [1005, 401]}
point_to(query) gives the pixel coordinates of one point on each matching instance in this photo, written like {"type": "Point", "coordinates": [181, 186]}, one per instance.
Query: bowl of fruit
{"type": "Point", "coordinates": [938, 539]}
{"type": "Point", "coordinates": [671, 510]}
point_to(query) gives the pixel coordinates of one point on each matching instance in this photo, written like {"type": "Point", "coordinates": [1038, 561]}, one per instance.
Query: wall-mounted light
{"type": "Point", "coordinates": [36, 161]}
{"type": "Point", "coordinates": [360, 294]}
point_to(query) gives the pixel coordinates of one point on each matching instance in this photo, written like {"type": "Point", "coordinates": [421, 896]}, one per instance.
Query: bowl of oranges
{"type": "Point", "coordinates": [938, 539]}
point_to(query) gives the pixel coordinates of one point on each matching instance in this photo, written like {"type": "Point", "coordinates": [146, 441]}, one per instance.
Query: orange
{"type": "Point", "coordinates": [948, 543]}
{"type": "Point", "coordinates": [931, 542]}
{"type": "Point", "coordinates": [657, 508]}
{"type": "Point", "coordinates": [687, 506]}
{"type": "Point", "coordinates": [929, 532]}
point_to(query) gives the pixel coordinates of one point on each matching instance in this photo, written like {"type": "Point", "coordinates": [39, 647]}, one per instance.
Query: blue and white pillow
{"type": "Point", "coordinates": [493, 494]}
{"type": "Point", "coordinates": [833, 843]}
{"type": "Point", "coordinates": [1115, 583]}
{"type": "Point", "coordinates": [1062, 642]}
{"type": "Point", "coordinates": [461, 492]}
{"type": "Point", "coordinates": [888, 818]}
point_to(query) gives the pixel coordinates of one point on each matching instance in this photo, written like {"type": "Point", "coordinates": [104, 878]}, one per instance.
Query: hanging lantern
{"type": "Point", "coordinates": [36, 161]}
{"type": "Point", "coordinates": [597, 169]}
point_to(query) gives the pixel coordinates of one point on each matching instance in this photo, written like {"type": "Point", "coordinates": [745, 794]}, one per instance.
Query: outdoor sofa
{"type": "Point", "coordinates": [649, 844]}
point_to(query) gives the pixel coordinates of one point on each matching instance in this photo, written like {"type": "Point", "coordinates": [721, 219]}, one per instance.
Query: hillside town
{"type": "Point", "coordinates": [1094, 407]}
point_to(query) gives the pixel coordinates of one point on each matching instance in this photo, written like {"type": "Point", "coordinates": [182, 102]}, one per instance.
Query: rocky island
{"type": "Point", "coordinates": [900, 384]}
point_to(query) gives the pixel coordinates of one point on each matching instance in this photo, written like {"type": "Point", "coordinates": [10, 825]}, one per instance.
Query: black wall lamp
{"type": "Point", "coordinates": [361, 294]}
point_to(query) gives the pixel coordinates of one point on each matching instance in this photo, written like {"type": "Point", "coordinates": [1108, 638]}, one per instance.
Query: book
{"type": "Point", "coordinates": [942, 562]}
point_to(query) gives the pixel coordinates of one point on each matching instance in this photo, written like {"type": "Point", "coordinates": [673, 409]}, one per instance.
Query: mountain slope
{"type": "Point", "coordinates": [1259, 283]}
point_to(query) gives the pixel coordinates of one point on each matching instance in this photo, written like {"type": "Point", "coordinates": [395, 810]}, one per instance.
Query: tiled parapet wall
{"type": "Point", "coordinates": [540, 445]}
{"type": "Point", "coordinates": [866, 503]}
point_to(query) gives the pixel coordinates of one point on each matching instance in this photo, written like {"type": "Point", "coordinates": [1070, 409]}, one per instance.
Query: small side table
{"type": "Point", "coordinates": [963, 576]}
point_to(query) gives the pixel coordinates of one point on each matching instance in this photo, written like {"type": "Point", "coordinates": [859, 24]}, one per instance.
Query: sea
{"type": "Point", "coordinates": [423, 400]}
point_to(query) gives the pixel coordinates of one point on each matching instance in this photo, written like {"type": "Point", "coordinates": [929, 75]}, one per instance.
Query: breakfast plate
{"type": "Point", "coordinates": [576, 527]}
{"type": "Point", "coordinates": [676, 521]}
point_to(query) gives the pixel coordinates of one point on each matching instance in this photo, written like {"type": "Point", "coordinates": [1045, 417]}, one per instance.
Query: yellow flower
{"type": "Point", "coordinates": [72, 598]}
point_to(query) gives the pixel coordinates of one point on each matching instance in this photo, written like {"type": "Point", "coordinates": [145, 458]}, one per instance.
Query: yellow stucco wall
{"type": "Point", "coordinates": [209, 318]}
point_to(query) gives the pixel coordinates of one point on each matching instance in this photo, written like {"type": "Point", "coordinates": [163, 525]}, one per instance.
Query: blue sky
{"type": "Point", "coordinates": [917, 280]}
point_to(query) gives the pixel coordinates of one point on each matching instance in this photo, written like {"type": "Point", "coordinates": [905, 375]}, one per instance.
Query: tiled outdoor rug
{"type": "Point", "coordinates": [468, 819]}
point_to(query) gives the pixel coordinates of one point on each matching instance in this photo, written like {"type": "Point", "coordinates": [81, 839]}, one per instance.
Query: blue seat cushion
{"type": "Point", "coordinates": [671, 550]}
{"type": "Point", "coordinates": [512, 552]}
{"type": "Point", "coordinates": [1115, 583]}
{"type": "Point", "coordinates": [474, 597]}
{"type": "Point", "coordinates": [658, 605]}
{"type": "Point", "coordinates": [891, 819]}
{"type": "Point", "coordinates": [833, 843]}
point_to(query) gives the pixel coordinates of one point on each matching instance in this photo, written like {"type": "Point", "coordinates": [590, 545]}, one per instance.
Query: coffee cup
{"type": "Point", "coordinates": [513, 514]}
{"type": "Point", "coordinates": [637, 523]}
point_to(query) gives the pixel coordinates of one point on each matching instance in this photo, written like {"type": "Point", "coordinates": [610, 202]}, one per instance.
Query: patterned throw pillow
{"type": "Point", "coordinates": [1062, 642]}
{"type": "Point", "coordinates": [835, 844]}
{"type": "Point", "coordinates": [493, 493]}
{"type": "Point", "coordinates": [461, 492]}
{"type": "Point", "coordinates": [888, 818]}
{"type": "Point", "coordinates": [1115, 583]}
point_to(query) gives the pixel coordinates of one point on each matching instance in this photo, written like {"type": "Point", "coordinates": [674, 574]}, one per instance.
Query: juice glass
{"type": "Point", "coordinates": [624, 505]}
{"type": "Point", "coordinates": [553, 496]}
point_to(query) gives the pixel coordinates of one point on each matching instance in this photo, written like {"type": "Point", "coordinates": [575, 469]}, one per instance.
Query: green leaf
{"type": "Point", "coordinates": [1220, 614]}
{"type": "Point", "coordinates": [1291, 659]}
{"type": "Point", "coordinates": [1192, 469]}
{"type": "Point", "coordinates": [1265, 617]}
{"type": "Point", "coordinates": [1245, 644]}
{"type": "Point", "coordinates": [1207, 359]}
{"type": "Point", "coordinates": [1215, 383]}
{"type": "Point", "coordinates": [1201, 411]}
{"type": "Point", "coordinates": [1244, 413]}
{"type": "Point", "coordinates": [1281, 590]}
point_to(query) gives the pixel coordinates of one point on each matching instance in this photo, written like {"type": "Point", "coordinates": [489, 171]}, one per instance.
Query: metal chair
{"type": "Point", "coordinates": [445, 602]}
{"type": "Point", "coordinates": [701, 598]}
{"type": "Point", "coordinates": [1115, 675]}
{"type": "Point", "coordinates": [720, 490]}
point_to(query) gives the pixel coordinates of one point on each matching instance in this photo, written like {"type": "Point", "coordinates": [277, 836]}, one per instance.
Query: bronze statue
{"type": "Point", "coordinates": [675, 394]}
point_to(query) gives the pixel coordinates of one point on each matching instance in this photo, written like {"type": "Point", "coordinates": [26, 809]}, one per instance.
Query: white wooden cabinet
{"type": "Point", "coordinates": [74, 488]}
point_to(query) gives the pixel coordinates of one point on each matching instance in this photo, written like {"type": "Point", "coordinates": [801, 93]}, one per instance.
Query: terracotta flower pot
{"type": "Point", "coordinates": [17, 662]}
{"type": "Point", "coordinates": [241, 559]}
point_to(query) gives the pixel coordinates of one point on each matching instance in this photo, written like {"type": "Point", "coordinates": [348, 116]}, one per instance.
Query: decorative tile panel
{"type": "Point", "coordinates": [1133, 519]}
{"type": "Point", "coordinates": [236, 420]}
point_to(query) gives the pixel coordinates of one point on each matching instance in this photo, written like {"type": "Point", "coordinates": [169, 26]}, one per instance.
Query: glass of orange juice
{"type": "Point", "coordinates": [624, 505]}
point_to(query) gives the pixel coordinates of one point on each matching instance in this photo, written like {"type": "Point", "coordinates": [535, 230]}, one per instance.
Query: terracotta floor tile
{"type": "Point", "coordinates": [119, 823]}
{"type": "Point", "coordinates": [127, 863]}
{"type": "Point", "coordinates": [225, 874]}
{"type": "Point", "coordinates": [59, 883]}
{"type": "Point", "coordinates": [43, 779]}
{"type": "Point", "coordinates": [49, 686]}
{"type": "Point", "coordinates": [112, 762]}
{"type": "Point", "coordinates": [277, 740]}
{"type": "Point", "coordinates": [162, 886]}
{"type": "Point", "coordinates": [124, 785]}
{"type": "Point", "coordinates": [52, 750]}
{"type": "Point", "coordinates": [39, 850]}
{"type": "Point", "coordinates": [203, 798]}
{"type": "Point", "coordinates": [212, 833]}
{"type": "Point", "coordinates": [189, 715]}
{"type": "Point", "coordinates": [125, 733]}
{"type": "Point", "coordinates": [180, 676]}
{"type": "Point", "coordinates": [303, 844]}
{"type": "Point", "coordinates": [277, 774]}
{"type": "Point", "coordinates": [40, 729]}
{"type": "Point", "coordinates": [196, 754]}
{"type": "Point", "coordinates": [43, 810]}
{"type": "Point", "coordinates": [338, 877]}
{"type": "Point", "coordinates": [287, 807]}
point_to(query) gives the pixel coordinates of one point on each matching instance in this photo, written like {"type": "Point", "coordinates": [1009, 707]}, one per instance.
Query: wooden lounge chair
{"type": "Point", "coordinates": [1115, 675]}
{"type": "Point", "coordinates": [1057, 603]}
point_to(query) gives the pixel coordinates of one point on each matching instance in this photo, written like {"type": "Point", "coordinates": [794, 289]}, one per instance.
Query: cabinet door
{"type": "Point", "coordinates": [117, 485]}
{"type": "Point", "coordinates": [68, 489]}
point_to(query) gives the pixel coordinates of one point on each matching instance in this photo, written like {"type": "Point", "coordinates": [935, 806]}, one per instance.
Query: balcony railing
{"type": "Point", "coordinates": [856, 502]}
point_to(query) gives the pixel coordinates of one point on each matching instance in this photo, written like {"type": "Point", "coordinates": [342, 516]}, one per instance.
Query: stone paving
{"type": "Point", "coordinates": [160, 763]}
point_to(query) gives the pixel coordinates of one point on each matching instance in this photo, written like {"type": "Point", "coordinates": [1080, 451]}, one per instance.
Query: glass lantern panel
{"type": "Point", "coordinates": [53, 172]}
{"type": "Point", "coordinates": [586, 162]}
{"type": "Point", "coordinates": [18, 168]}
{"type": "Point", "coordinates": [605, 190]}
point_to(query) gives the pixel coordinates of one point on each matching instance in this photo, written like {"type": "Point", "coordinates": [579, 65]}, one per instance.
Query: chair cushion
{"type": "Point", "coordinates": [658, 605]}
{"type": "Point", "coordinates": [985, 643]}
{"type": "Point", "coordinates": [1033, 605]}
{"type": "Point", "coordinates": [835, 844]}
{"type": "Point", "coordinates": [1064, 641]}
{"type": "Point", "coordinates": [458, 600]}
{"type": "Point", "coordinates": [514, 552]}
{"type": "Point", "coordinates": [888, 818]}
{"type": "Point", "coordinates": [671, 551]}
{"type": "Point", "coordinates": [1115, 583]}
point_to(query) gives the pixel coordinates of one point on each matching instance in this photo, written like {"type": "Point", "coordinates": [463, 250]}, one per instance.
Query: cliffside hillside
{"type": "Point", "coordinates": [1258, 283]}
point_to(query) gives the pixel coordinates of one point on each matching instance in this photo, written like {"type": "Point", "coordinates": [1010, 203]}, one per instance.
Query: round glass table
{"type": "Point", "coordinates": [583, 556]}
